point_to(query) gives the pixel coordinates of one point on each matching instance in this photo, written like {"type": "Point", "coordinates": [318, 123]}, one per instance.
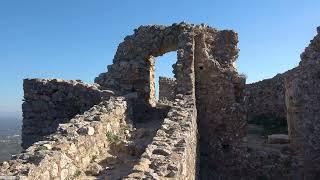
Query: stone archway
{"type": "Point", "coordinates": [133, 65]}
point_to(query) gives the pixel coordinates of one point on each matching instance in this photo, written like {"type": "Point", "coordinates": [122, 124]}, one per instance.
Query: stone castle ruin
{"type": "Point", "coordinates": [117, 129]}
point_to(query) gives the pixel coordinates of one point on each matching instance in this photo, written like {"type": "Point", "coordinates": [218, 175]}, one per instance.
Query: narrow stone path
{"type": "Point", "coordinates": [124, 154]}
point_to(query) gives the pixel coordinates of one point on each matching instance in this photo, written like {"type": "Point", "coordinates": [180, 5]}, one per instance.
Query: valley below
{"type": "Point", "coordinates": [10, 137]}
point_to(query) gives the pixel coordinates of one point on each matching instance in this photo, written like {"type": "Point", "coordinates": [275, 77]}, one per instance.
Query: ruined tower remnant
{"type": "Point", "coordinates": [115, 128]}
{"type": "Point", "coordinates": [303, 107]}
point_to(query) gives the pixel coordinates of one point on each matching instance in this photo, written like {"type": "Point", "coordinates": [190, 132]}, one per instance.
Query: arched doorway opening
{"type": "Point", "coordinates": [164, 70]}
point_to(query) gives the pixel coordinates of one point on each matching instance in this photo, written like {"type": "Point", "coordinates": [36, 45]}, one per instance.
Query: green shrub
{"type": "Point", "coordinates": [41, 148]}
{"type": "Point", "coordinates": [112, 137]}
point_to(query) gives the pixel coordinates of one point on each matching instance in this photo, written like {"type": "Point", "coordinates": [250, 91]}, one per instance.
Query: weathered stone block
{"type": "Point", "coordinates": [278, 139]}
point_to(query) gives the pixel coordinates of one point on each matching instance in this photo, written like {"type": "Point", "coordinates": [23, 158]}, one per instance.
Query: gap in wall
{"type": "Point", "coordinates": [163, 67]}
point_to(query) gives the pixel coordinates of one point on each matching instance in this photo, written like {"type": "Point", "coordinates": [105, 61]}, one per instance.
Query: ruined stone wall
{"type": "Point", "coordinates": [132, 72]}
{"type": "Point", "coordinates": [68, 152]}
{"type": "Point", "coordinates": [167, 89]}
{"type": "Point", "coordinates": [303, 108]}
{"type": "Point", "coordinates": [173, 151]}
{"type": "Point", "coordinates": [209, 102]}
{"type": "Point", "coordinates": [133, 63]}
{"type": "Point", "coordinates": [48, 102]}
{"type": "Point", "coordinates": [266, 98]}
{"type": "Point", "coordinates": [219, 98]}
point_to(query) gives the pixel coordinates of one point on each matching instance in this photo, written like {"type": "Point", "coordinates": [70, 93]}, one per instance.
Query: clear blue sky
{"type": "Point", "coordinates": [76, 39]}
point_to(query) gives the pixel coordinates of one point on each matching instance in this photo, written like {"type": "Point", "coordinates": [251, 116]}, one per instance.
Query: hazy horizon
{"type": "Point", "coordinates": [10, 113]}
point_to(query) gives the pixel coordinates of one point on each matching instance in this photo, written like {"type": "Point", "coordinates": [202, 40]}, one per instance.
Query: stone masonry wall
{"type": "Point", "coordinates": [173, 151]}
{"type": "Point", "coordinates": [167, 89]}
{"type": "Point", "coordinates": [68, 152]}
{"type": "Point", "coordinates": [266, 98]}
{"type": "Point", "coordinates": [133, 64]}
{"type": "Point", "coordinates": [132, 68]}
{"type": "Point", "coordinates": [303, 108]}
{"type": "Point", "coordinates": [222, 116]}
{"type": "Point", "coordinates": [219, 98]}
{"type": "Point", "coordinates": [48, 102]}
{"type": "Point", "coordinates": [219, 88]}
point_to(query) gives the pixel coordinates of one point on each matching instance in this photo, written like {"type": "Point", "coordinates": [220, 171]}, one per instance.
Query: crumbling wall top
{"type": "Point", "coordinates": [156, 40]}
{"type": "Point", "coordinates": [311, 54]}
